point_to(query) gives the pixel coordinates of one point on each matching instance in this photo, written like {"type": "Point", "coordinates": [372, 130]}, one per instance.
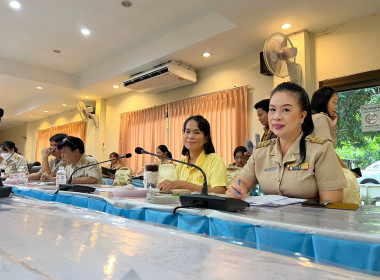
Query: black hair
{"type": "Point", "coordinates": [114, 154]}
{"type": "Point", "coordinates": [58, 137]}
{"type": "Point", "coordinates": [304, 102]}
{"type": "Point", "coordinates": [240, 149]}
{"type": "Point", "coordinates": [165, 149]}
{"type": "Point", "coordinates": [203, 126]}
{"type": "Point", "coordinates": [73, 143]}
{"type": "Point", "coordinates": [320, 100]}
{"type": "Point", "coordinates": [263, 104]}
{"type": "Point", "coordinates": [9, 145]}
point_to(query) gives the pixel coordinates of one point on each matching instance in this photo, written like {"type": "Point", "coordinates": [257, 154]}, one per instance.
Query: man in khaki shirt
{"type": "Point", "coordinates": [50, 168]}
{"type": "Point", "coordinates": [72, 149]}
{"type": "Point", "coordinates": [284, 176]}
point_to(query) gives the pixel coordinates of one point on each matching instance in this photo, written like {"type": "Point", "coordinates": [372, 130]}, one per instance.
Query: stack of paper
{"type": "Point", "coordinates": [272, 200]}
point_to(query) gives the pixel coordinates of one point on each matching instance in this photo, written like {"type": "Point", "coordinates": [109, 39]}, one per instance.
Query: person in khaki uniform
{"type": "Point", "coordinates": [50, 167]}
{"type": "Point", "coordinates": [73, 155]}
{"type": "Point", "coordinates": [11, 159]}
{"type": "Point", "coordinates": [295, 164]}
{"type": "Point", "coordinates": [325, 101]}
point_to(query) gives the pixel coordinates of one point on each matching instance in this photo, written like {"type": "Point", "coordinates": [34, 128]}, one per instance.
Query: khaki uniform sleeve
{"type": "Point", "coordinates": [323, 128]}
{"type": "Point", "coordinates": [328, 172]}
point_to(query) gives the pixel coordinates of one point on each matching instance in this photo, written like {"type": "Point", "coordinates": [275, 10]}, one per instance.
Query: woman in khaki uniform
{"type": "Point", "coordinates": [324, 106]}
{"type": "Point", "coordinates": [295, 164]}
{"type": "Point", "coordinates": [11, 159]}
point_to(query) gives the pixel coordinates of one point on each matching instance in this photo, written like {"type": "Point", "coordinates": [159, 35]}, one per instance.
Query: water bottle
{"type": "Point", "coordinates": [22, 176]}
{"type": "Point", "coordinates": [60, 176]}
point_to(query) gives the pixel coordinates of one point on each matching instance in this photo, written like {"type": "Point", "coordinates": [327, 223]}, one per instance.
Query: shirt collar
{"type": "Point", "coordinates": [200, 160]}
{"type": "Point", "coordinates": [290, 155]}
{"type": "Point", "coordinates": [80, 161]}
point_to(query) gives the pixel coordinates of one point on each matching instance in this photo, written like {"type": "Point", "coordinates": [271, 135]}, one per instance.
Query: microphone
{"type": "Point", "coordinates": [203, 200]}
{"type": "Point", "coordinates": [80, 188]}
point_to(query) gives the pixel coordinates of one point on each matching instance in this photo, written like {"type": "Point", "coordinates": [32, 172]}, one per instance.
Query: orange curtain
{"type": "Point", "coordinates": [227, 114]}
{"type": "Point", "coordinates": [145, 128]}
{"type": "Point", "coordinates": [77, 129]}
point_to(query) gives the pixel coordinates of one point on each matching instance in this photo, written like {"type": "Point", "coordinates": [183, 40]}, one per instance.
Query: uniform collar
{"type": "Point", "coordinates": [12, 157]}
{"type": "Point", "coordinates": [290, 155]}
{"type": "Point", "coordinates": [80, 162]}
{"type": "Point", "coordinates": [200, 160]}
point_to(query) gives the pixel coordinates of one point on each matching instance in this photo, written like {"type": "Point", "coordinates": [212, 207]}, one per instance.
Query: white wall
{"type": "Point", "coordinates": [18, 135]}
{"type": "Point", "coordinates": [348, 49]}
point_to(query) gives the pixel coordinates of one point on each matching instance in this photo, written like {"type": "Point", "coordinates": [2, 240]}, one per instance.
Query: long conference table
{"type": "Point", "coordinates": [341, 240]}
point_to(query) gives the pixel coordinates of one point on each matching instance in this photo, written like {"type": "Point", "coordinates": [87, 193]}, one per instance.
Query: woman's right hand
{"type": "Point", "coordinates": [236, 191]}
{"type": "Point", "coordinates": [334, 119]}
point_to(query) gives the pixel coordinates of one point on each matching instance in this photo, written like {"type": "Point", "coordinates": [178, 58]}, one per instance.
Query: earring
{"type": "Point", "coordinates": [301, 122]}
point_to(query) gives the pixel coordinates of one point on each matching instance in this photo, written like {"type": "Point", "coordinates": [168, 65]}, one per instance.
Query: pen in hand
{"type": "Point", "coordinates": [239, 182]}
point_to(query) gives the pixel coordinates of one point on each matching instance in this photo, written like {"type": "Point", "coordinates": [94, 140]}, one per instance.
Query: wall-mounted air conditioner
{"type": "Point", "coordinates": [163, 77]}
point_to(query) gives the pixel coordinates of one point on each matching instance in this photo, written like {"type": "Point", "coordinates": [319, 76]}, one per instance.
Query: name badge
{"type": "Point", "coordinates": [200, 178]}
{"type": "Point", "coordinates": [270, 168]}
{"type": "Point", "coordinates": [303, 166]}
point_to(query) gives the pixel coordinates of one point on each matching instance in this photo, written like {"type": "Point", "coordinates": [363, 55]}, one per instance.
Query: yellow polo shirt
{"type": "Point", "coordinates": [211, 164]}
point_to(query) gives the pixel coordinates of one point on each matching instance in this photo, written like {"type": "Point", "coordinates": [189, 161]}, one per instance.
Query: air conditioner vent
{"type": "Point", "coordinates": [163, 77]}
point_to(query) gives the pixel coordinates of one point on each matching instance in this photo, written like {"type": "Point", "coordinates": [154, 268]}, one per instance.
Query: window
{"type": "Point", "coordinates": [355, 147]}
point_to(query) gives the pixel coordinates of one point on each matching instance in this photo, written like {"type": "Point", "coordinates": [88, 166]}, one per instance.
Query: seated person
{"type": "Point", "coordinates": [11, 160]}
{"type": "Point", "coordinates": [262, 109]}
{"type": "Point", "coordinates": [161, 150]}
{"type": "Point", "coordinates": [324, 106]}
{"type": "Point", "coordinates": [240, 160]}
{"type": "Point", "coordinates": [115, 163]}
{"type": "Point", "coordinates": [50, 167]}
{"type": "Point", "coordinates": [72, 149]}
{"type": "Point", "coordinates": [199, 150]}
{"type": "Point", "coordinates": [295, 164]}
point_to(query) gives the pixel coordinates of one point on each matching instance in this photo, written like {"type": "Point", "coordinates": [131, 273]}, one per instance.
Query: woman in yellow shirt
{"type": "Point", "coordinates": [199, 150]}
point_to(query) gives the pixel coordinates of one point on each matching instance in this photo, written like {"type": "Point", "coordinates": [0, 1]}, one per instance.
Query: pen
{"type": "Point", "coordinates": [239, 182]}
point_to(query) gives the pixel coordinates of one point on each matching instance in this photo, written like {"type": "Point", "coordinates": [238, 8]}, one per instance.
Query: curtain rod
{"type": "Point", "coordinates": [188, 98]}
{"type": "Point", "coordinates": [205, 94]}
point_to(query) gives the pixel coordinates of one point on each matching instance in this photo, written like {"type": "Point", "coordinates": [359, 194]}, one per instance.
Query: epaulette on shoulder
{"type": "Point", "coordinates": [316, 139]}
{"type": "Point", "coordinates": [264, 143]}
{"type": "Point", "coordinates": [323, 113]}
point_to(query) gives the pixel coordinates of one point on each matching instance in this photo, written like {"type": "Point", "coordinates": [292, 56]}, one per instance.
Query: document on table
{"type": "Point", "coordinates": [271, 200]}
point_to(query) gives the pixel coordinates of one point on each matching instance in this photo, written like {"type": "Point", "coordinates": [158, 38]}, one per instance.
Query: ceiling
{"type": "Point", "coordinates": [124, 41]}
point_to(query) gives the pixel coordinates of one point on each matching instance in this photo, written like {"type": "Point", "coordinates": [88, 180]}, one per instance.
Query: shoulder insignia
{"type": "Point", "coordinates": [316, 139]}
{"type": "Point", "coordinates": [323, 113]}
{"type": "Point", "coordinates": [264, 144]}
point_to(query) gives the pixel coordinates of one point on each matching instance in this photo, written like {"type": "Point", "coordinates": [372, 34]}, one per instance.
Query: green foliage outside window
{"type": "Point", "coordinates": [353, 145]}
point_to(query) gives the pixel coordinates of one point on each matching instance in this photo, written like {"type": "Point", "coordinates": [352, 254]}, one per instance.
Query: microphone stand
{"type": "Point", "coordinates": [203, 200]}
{"type": "Point", "coordinates": [81, 188]}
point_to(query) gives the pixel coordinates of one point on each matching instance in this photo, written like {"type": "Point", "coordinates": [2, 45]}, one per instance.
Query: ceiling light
{"type": "Point", "coordinates": [64, 105]}
{"type": "Point", "coordinates": [85, 31]}
{"type": "Point", "coordinates": [115, 86]}
{"type": "Point", "coordinates": [206, 54]}
{"type": "Point", "coordinates": [15, 5]}
{"type": "Point", "coordinates": [46, 111]}
{"type": "Point", "coordinates": [39, 87]}
{"type": "Point", "coordinates": [286, 26]}
{"type": "Point", "coordinates": [87, 97]}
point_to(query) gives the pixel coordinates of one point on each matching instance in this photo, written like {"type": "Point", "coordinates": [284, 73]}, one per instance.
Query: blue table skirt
{"type": "Point", "coordinates": [347, 254]}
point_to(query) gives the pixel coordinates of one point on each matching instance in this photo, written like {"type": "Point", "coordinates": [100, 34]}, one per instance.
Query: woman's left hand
{"type": "Point", "coordinates": [168, 185]}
